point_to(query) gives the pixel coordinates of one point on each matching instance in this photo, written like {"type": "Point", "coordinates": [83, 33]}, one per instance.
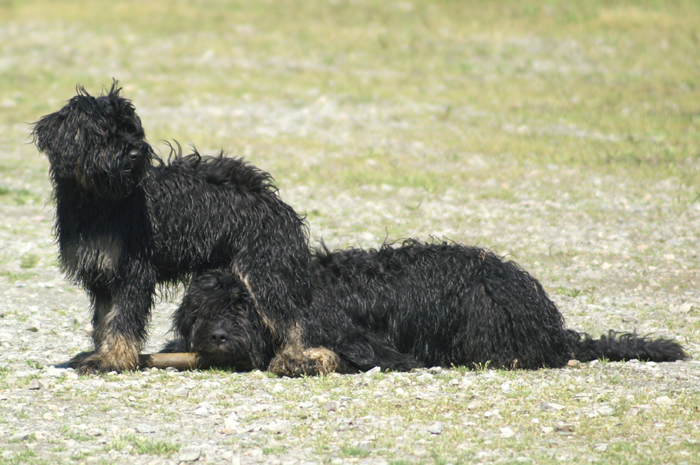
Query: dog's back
{"type": "Point", "coordinates": [452, 305]}
{"type": "Point", "coordinates": [208, 211]}
{"type": "Point", "coordinates": [445, 304]}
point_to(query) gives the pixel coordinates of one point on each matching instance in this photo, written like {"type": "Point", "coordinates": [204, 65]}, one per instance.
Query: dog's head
{"type": "Point", "coordinates": [218, 317]}
{"type": "Point", "coordinates": [96, 142]}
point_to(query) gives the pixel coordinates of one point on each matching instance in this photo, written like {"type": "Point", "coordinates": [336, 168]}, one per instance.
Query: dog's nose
{"type": "Point", "coordinates": [218, 337]}
{"type": "Point", "coordinates": [134, 154]}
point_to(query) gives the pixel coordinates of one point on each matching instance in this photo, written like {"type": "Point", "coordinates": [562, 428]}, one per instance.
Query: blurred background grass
{"type": "Point", "coordinates": [398, 93]}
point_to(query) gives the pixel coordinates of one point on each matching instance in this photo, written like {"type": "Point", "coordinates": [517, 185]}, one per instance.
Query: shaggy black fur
{"type": "Point", "coordinates": [127, 222]}
{"type": "Point", "coordinates": [402, 307]}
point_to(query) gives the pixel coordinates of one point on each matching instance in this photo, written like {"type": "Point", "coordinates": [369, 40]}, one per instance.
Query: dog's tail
{"type": "Point", "coordinates": [618, 347]}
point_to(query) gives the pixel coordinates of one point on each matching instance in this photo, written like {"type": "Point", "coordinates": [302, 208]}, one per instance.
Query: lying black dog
{"type": "Point", "coordinates": [398, 308]}
{"type": "Point", "coordinates": [125, 225]}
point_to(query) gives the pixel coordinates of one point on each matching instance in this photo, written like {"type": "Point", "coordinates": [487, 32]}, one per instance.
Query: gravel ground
{"type": "Point", "coordinates": [613, 252]}
{"type": "Point", "coordinates": [367, 113]}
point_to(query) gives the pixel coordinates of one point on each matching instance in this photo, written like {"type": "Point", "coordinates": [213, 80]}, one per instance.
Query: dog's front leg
{"type": "Point", "coordinates": [119, 329]}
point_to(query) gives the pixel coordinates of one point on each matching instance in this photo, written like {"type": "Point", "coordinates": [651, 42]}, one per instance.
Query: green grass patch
{"type": "Point", "coordinates": [23, 457]}
{"type": "Point", "coordinates": [14, 276]}
{"type": "Point", "coordinates": [138, 445]}
{"type": "Point", "coordinates": [28, 260]}
{"type": "Point", "coordinates": [18, 196]}
{"type": "Point", "coordinates": [35, 365]}
{"type": "Point", "coordinates": [354, 451]}
{"type": "Point", "coordinates": [566, 84]}
{"type": "Point", "coordinates": [273, 450]}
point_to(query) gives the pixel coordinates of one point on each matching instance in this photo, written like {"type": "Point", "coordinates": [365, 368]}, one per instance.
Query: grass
{"type": "Point", "coordinates": [354, 451]}
{"type": "Point", "coordinates": [574, 85]}
{"type": "Point", "coordinates": [28, 261]}
{"type": "Point", "coordinates": [136, 445]}
{"type": "Point", "coordinates": [19, 196]}
{"type": "Point", "coordinates": [488, 122]}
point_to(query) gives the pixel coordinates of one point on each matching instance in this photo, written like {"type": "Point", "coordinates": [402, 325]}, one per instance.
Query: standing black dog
{"type": "Point", "coordinates": [126, 224]}
{"type": "Point", "coordinates": [402, 307]}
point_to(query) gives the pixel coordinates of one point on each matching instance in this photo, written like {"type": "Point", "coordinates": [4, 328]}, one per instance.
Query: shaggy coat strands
{"type": "Point", "coordinates": [127, 221]}
{"type": "Point", "coordinates": [403, 307]}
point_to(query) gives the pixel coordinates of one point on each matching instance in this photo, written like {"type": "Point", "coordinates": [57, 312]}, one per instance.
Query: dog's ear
{"type": "Point", "coordinates": [62, 135]}
{"type": "Point", "coordinates": [53, 138]}
{"type": "Point", "coordinates": [45, 131]}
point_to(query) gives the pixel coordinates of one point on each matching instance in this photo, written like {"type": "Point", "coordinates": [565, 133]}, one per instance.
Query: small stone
{"type": "Point", "coordinates": [600, 447]}
{"type": "Point", "coordinates": [564, 428]}
{"type": "Point", "coordinates": [277, 427]}
{"type": "Point", "coordinates": [465, 383]}
{"type": "Point", "coordinates": [605, 410]}
{"type": "Point", "coordinates": [664, 400]}
{"type": "Point", "coordinates": [552, 406]}
{"type": "Point", "coordinates": [278, 388]}
{"type": "Point", "coordinates": [34, 384]}
{"type": "Point", "coordinates": [21, 436]}
{"type": "Point", "coordinates": [685, 308]}
{"type": "Point", "coordinates": [547, 429]}
{"type": "Point", "coordinates": [435, 428]}
{"type": "Point", "coordinates": [473, 404]}
{"type": "Point", "coordinates": [143, 428]}
{"type": "Point", "coordinates": [507, 432]}
{"type": "Point", "coordinates": [257, 452]}
{"type": "Point", "coordinates": [231, 423]}
{"type": "Point", "coordinates": [573, 363]}
{"type": "Point", "coordinates": [330, 406]}
{"type": "Point", "coordinates": [53, 372]}
{"type": "Point", "coordinates": [373, 371]}
{"type": "Point", "coordinates": [201, 411]}
{"type": "Point", "coordinates": [190, 453]}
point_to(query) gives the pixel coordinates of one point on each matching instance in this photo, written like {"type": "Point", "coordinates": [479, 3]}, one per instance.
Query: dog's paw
{"type": "Point", "coordinates": [289, 362]}
{"type": "Point", "coordinates": [294, 362]}
{"type": "Point", "coordinates": [89, 363]}
{"type": "Point", "coordinates": [322, 361]}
